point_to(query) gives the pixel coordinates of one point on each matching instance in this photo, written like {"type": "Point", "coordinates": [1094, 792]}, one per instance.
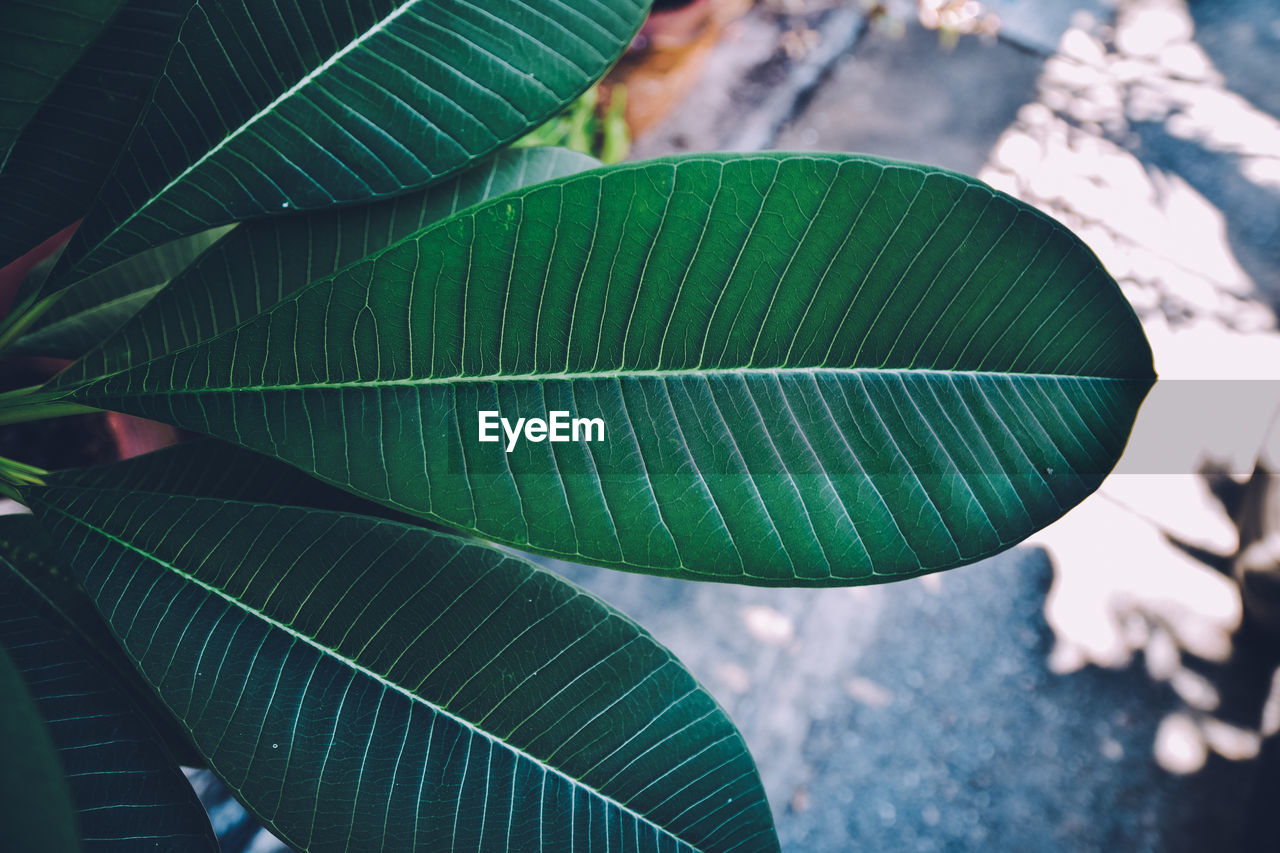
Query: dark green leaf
{"type": "Point", "coordinates": [25, 545]}
{"type": "Point", "coordinates": [91, 311]}
{"type": "Point", "coordinates": [365, 685]}
{"type": "Point", "coordinates": [812, 369]}
{"type": "Point", "coordinates": [35, 800]}
{"type": "Point", "coordinates": [263, 261]}
{"type": "Point", "coordinates": [205, 468]}
{"type": "Point", "coordinates": [128, 792]}
{"type": "Point", "coordinates": [40, 40]}
{"type": "Point", "coordinates": [57, 165]}
{"type": "Point", "coordinates": [270, 106]}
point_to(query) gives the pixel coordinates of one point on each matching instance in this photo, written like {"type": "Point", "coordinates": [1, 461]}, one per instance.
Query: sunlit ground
{"type": "Point", "coordinates": [1104, 100]}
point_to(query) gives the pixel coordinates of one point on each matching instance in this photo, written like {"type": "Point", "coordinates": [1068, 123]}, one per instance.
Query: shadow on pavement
{"type": "Point", "coordinates": [1242, 37]}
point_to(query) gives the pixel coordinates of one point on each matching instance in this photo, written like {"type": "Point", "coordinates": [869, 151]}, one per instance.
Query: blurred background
{"type": "Point", "coordinates": [1113, 683]}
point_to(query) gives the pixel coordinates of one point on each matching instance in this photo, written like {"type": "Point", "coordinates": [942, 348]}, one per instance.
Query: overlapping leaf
{"type": "Point", "coordinates": [366, 685]}
{"type": "Point", "coordinates": [40, 40]}
{"type": "Point", "coordinates": [206, 468]}
{"type": "Point", "coordinates": [91, 311]}
{"type": "Point", "coordinates": [270, 106]}
{"type": "Point", "coordinates": [128, 792]}
{"type": "Point", "coordinates": [813, 369]}
{"type": "Point", "coordinates": [62, 157]}
{"type": "Point", "coordinates": [63, 604]}
{"type": "Point", "coordinates": [263, 261]}
{"type": "Point", "coordinates": [35, 801]}
{"type": "Point", "coordinates": [27, 551]}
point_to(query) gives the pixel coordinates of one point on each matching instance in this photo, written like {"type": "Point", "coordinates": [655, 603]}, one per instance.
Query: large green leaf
{"type": "Point", "coordinates": [57, 165]}
{"type": "Point", "coordinates": [265, 260]}
{"type": "Point", "coordinates": [35, 800]}
{"type": "Point", "coordinates": [128, 792]}
{"type": "Point", "coordinates": [25, 546]}
{"type": "Point", "coordinates": [365, 685]}
{"type": "Point", "coordinates": [270, 106]}
{"type": "Point", "coordinates": [813, 369]}
{"type": "Point", "coordinates": [90, 312]}
{"type": "Point", "coordinates": [40, 40]}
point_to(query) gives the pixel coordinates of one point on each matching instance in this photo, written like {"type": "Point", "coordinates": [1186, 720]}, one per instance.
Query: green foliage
{"type": "Point", "coordinates": [458, 671]}
{"type": "Point", "coordinates": [40, 43]}
{"type": "Point", "coordinates": [60, 159]}
{"type": "Point", "coordinates": [580, 127]}
{"type": "Point", "coordinates": [98, 305]}
{"type": "Point", "coordinates": [376, 98]}
{"type": "Point", "coordinates": [269, 258]}
{"type": "Point", "coordinates": [808, 369]}
{"type": "Point", "coordinates": [125, 786]}
{"type": "Point", "coordinates": [762, 376]}
{"type": "Point", "coordinates": [50, 603]}
{"type": "Point", "coordinates": [37, 813]}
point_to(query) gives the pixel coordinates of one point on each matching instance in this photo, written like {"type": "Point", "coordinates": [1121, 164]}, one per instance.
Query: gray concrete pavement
{"type": "Point", "coordinates": [911, 98]}
{"type": "Point", "coordinates": [922, 716]}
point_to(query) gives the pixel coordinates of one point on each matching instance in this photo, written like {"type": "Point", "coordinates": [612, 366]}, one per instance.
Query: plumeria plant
{"type": "Point", "coordinates": [422, 358]}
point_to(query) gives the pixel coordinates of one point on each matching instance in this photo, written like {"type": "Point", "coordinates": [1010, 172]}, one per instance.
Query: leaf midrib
{"type": "Point", "coordinates": [675, 162]}
{"type": "Point", "coordinates": [334, 654]}
{"type": "Point", "coordinates": [258, 116]}
{"type": "Point", "coordinates": [581, 376]}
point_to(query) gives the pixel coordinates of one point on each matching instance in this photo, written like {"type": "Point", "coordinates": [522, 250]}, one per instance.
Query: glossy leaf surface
{"type": "Point", "coordinates": [263, 261]}
{"type": "Point", "coordinates": [62, 157]}
{"type": "Point", "coordinates": [365, 685]}
{"type": "Point", "coordinates": [812, 369]}
{"type": "Point", "coordinates": [129, 793]}
{"type": "Point", "coordinates": [266, 106]}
